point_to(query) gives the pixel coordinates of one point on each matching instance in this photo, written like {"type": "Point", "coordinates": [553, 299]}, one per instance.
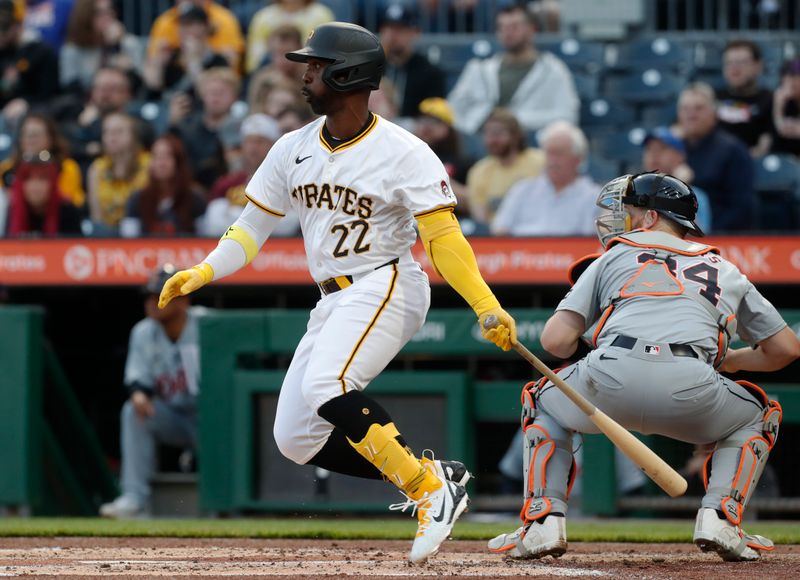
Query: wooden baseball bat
{"type": "Point", "coordinates": [653, 466]}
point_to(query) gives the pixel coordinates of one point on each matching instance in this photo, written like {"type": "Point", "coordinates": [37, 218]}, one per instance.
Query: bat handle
{"type": "Point", "coordinates": [490, 322]}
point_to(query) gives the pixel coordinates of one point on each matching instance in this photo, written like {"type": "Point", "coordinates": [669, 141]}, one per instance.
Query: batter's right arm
{"type": "Point", "coordinates": [236, 248]}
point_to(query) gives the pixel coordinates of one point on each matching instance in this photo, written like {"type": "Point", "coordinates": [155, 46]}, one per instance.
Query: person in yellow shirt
{"type": "Point", "coordinates": [303, 14]}
{"type": "Point", "coordinates": [509, 160]}
{"type": "Point", "coordinates": [39, 140]}
{"type": "Point", "coordinates": [226, 37]}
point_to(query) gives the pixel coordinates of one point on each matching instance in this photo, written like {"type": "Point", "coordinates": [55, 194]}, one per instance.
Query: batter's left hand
{"type": "Point", "coordinates": [504, 334]}
{"type": "Point", "coordinates": [185, 282]}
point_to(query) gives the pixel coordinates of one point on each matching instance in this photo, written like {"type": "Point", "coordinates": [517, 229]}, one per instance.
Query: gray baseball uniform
{"type": "Point", "coordinates": [170, 371]}
{"type": "Point", "coordinates": [651, 369]}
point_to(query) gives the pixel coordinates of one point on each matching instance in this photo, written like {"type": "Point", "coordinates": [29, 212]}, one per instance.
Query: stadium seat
{"type": "Point", "coordinates": [344, 10]}
{"type": "Point", "coordinates": [644, 87]}
{"type": "Point", "coordinates": [577, 55]}
{"type": "Point", "coordinates": [656, 115]}
{"type": "Point", "coordinates": [707, 56]}
{"type": "Point", "coordinates": [622, 146]}
{"type": "Point", "coordinates": [602, 170]}
{"type": "Point", "coordinates": [777, 185]}
{"type": "Point", "coordinates": [600, 115]}
{"type": "Point", "coordinates": [653, 53]}
{"type": "Point", "coordinates": [456, 51]}
{"type": "Point", "coordinates": [586, 84]}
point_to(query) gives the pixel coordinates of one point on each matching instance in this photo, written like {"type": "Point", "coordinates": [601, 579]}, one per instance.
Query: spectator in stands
{"type": "Point", "coordinates": [114, 176]}
{"type": "Point", "coordinates": [46, 20]}
{"type": "Point", "coordinates": [259, 93]}
{"type": "Point", "coordinates": [744, 109]}
{"type": "Point", "coordinates": [259, 133]}
{"type": "Point", "coordinates": [162, 374]}
{"type": "Point", "coordinates": [172, 71]}
{"type": "Point", "coordinates": [434, 124]}
{"type": "Point", "coordinates": [285, 38]}
{"type": "Point", "coordinates": [39, 134]}
{"type": "Point", "coordinates": [382, 102]}
{"type": "Point", "coordinates": [226, 35]}
{"type": "Point", "coordinates": [665, 152]}
{"type": "Point", "coordinates": [509, 160]}
{"type": "Point", "coordinates": [110, 93]}
{"type": "Point", "coordinates": [413, 77]}
{"type": "Point", "coordinates": [209, 135]}
{"type": "Point", "coordinates": [29, 69]}
{"type": "Point", "coordinates": [786, 110]}
{"type": "Point", "coordinates": [37, 207]}
{"type": "Point", "coordinates": [294, 117]}
{"type": "Point", "coordinates": [537, 87]}
{"type": "Point", "coordinates": [561, 201]}
{"type": "Point", "coordinates": [96, 38]}
{"type": "Point", "coordinates": [721, 163]}
{"type": "Point", "coordinates": [170, 204]}
{"type": "Point", "coordinates": [305, 15]}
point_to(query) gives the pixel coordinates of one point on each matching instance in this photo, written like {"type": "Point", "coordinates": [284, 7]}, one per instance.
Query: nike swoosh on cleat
{"type": "Point", "coordinates": [298, 161]}
{"type": "Point", "coordinates": [439, 518]}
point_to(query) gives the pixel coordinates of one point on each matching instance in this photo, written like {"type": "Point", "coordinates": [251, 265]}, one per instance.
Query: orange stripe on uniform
{"type": "Point", "coordinates": [369, 327]}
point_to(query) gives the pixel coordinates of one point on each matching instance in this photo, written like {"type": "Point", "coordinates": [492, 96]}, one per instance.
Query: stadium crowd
{"type": "Point", "coordinates": [106, 133]}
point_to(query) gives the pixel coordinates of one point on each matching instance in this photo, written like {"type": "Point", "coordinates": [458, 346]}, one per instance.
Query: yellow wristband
{"type": "Point", "coordinates": [239, 235]}
{"type": "Point", "coordinates": [206, 272]}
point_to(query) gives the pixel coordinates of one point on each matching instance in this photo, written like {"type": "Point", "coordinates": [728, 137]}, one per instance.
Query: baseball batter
{"type": "Point", "coordinates": [358, 184]}
{"type": "Point", "coordinates": [662, 310]}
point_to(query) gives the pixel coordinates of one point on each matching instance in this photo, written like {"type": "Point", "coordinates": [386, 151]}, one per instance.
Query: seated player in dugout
{"type": "Point", "coordinates": [663, 310]}
{"type": "Point", "coordinates": [358, 184]}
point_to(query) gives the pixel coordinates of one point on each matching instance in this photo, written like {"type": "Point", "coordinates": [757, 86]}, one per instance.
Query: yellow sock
{"type": "Point", "coordinates": [382, 449]}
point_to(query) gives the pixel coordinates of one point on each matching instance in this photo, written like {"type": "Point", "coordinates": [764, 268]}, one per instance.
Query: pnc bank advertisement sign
{"type": "Point", "coordinates": [534, 261]}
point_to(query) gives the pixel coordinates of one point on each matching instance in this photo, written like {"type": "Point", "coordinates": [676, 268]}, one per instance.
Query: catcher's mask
{"type": "Point", "coordinates": [355, 55]}
{"type": "Point", "coordinates": [666, 194]}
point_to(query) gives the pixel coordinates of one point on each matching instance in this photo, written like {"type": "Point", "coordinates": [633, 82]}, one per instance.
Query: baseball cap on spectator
{"type": "Point", "coordinates": [666, 136]}
{"type": "Point", "coordinates": [157, 279]}
{"type": "Point", "coordinates": [260, 125]}
{"type": "Point", "coordinates": [11, 12]}
{"type": "Point", "coordinates": [400, 13]}
{"type": "Point", "coordinates": [438, 108]}
{"type": "Point", "coordinates": [191, 14]}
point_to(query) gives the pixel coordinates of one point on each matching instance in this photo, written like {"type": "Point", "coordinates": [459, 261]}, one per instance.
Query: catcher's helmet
{"type": "Point", "coordinates": [356, 56]}
{"type": "Point", "coordinates": [667, 195]}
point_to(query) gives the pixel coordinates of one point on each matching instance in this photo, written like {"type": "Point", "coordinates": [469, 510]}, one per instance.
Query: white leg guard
{"type": "Point", "coordinates": [738, 461]}
{"type": "Point", "coordinates": [548, 463]}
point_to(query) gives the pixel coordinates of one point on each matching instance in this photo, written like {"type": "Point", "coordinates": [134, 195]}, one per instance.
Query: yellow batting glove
{"type": "Point", "coordinates": [504, 333]}
{"type": "Point", "coordinates": [185, 282]}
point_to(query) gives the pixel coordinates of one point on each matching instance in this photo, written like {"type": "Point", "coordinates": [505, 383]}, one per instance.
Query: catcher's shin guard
{"type": "Point", "coordinates": [734, 468]}
{"type": "Point", "coordinates": [548, 463]}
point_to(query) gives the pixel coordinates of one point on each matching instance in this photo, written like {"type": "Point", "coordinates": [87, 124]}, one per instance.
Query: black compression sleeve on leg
{"type": "Point", "coordinates": [339, 456]}
{"type": "Point", "coordinates": [354, 413]}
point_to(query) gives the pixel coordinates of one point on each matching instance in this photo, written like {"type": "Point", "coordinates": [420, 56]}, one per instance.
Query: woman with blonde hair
{"type": "Point", "coordinates": [117, 173]}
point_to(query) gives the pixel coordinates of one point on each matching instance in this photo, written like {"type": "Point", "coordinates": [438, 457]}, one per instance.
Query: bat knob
{"type": "Point", "coordinates": [490, 322]}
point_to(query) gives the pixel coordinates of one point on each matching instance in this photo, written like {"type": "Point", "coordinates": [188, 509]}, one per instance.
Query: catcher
{"type": "Point", "coordinates": [664, 309]}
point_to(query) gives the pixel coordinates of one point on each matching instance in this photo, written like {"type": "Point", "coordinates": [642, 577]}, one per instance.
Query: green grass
{"type": "Point", "coordinates": [365, 528]}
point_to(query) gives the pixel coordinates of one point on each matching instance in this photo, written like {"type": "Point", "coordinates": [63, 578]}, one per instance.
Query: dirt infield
{"type": "Point", "coordinates": [209, 558]}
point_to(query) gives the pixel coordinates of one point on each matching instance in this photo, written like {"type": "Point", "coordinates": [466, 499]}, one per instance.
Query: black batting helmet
{"type": "Point", "coordinates": [356, 56]}
{"type": "Point", "coordinates": [667, 195]}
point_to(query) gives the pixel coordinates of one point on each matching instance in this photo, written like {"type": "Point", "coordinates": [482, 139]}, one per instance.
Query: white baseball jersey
{"type": "Point", "coordinates": [356, 199]}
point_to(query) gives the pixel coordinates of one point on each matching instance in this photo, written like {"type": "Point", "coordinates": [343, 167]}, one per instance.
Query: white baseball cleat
{"type": "Point", "coordinates": [534, 540]}
{"type": "Point", "coordinates": [436, 512]}
{"type": "Point", "coordinates": [124, 507]}
{"type": "Point", "coordinates": [713, 533]}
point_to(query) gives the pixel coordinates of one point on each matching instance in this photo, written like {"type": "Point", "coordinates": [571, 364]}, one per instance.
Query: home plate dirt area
{"type": "Point", "coordinates": [250, 558]}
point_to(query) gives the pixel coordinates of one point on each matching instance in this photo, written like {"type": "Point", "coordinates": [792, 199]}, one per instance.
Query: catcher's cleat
{"type": "Point", "coordinates": [534, 540]}
{"type": "Point", "coordinates": [454, 471]}
{"type": "Point", "coordinates": [437, 512]}
{"type": "Point", "coordinates": [713, 533]}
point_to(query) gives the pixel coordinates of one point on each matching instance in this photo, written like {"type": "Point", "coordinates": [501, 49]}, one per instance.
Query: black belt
{"type": "Point", "coordinates": [629, 342]}
{"type": "Point", "coordinates": [337, 283]}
